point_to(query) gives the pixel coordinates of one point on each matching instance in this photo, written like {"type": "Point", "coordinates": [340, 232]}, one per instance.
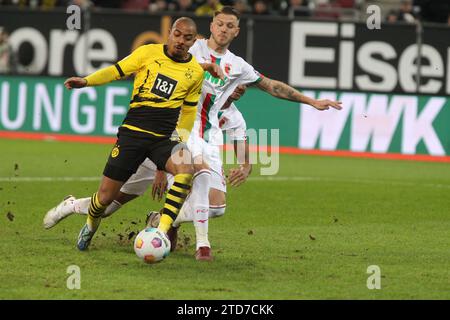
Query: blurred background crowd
{"type": "Point", "coordinates": [409, 11]}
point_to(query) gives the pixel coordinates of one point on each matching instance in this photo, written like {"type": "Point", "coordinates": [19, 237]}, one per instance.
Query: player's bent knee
{"type": "Point", "coordinates": [106, 198]}
{"type": "Point", "coordinates": [217, 203]}
{"type": "Point", "coordinates": [216, 211]}
{"type": "Point", "coordinates": [177, 164]}
{"type": "Point", "coordinates": [199, 164]}
{"type": "Point", "coordinates": [217, 197]}
{"type": "Point", "coordinates": [108, 190]}
{"type": "Point", "coordinates": [106, 195]}
{"type": "Point", "coordinates": [185, 169]}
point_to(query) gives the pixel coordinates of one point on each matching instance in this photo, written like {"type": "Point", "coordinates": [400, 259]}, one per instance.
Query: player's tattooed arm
{"type": "Point", "coordinates": [282, 90]}
{"type": "Point", "coordinates": [279, 89]}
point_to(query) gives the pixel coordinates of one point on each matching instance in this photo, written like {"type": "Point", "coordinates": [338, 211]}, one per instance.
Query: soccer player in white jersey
{"type": "Point", "coordinates": [206, 137]}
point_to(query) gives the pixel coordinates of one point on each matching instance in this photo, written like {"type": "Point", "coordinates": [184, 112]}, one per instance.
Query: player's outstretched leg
{"type": "Point", "coordinates": [100, 200]}
{"type": "Point", "coordinates": [200, 205]}
{"type": "Point", "coordinates": [70, 205]}
{"type": "Point", "coordinates": [180, 166]}
{"type": "Point", "coordinates": [217, 199]}
{"type": "Point", "coordinates": [187, 215]}
{"type": "Point", "coordinates": [96, 209]}
{"type": "Point", "coordinates": [81, 206]}
{"type": "Point", "coordinates": [58, 213]}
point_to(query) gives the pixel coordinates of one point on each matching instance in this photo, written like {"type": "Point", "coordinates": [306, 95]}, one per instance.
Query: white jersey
{"type": "Point", "coordinates": [215, 92]}
{"type": "Point", "coordinates": [233, 123]}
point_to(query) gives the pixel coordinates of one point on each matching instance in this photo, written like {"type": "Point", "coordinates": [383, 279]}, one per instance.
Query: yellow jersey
{"type": "Point", "coordinates": [163, 86]}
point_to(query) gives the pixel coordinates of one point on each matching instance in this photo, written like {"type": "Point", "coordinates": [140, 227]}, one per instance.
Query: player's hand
{"type": "Point", "coordinates": [75, 82]}
{"type": "Point", "coordinates": [159, 185]}
{"type": "Point", "coordinates": [327, 104]}
{"type": "Point", "coordinates": [238, 176]}
{"type": "Point", "coordinates": [215, 71]}
{"type": "Point", "coordinates": [236, 95]}
{"type": "Point", "coordinates": [238, 92]}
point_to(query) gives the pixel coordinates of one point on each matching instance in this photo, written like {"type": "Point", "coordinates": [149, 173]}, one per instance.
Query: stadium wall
{"type": "Point", "coordinates": [370, 122]}
{"type": "Point", "coordinates": [393, 105]}
{"type": "Point", "coordinates": [329, 55]}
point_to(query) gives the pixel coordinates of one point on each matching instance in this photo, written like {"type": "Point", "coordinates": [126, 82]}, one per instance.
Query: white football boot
{"type": "Point", "coordinates": [152, 219]}
{"type": "Point", "coordinates": [61, 211]}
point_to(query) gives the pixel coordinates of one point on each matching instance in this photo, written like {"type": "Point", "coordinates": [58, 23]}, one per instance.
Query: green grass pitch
{"type": "Point", "coordinates": [311, 232]}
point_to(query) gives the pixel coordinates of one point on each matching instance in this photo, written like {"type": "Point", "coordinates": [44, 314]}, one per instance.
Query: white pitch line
{"type": "Point", "coordinates": [356, 181]}
{"type": "Point", "coordinates": [261, 178]}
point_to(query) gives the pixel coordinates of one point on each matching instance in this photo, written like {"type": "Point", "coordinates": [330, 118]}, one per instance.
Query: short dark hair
{"type": "Point", "coordinates": [186, 20]}
{"type": "Point", "coordinates": [228, 10]}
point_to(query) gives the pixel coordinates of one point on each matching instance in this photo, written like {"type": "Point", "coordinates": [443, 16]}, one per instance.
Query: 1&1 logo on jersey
{"type": "Point", "coordinates": [164, 86]}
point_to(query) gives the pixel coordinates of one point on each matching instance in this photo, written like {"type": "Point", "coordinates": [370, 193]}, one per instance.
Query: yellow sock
{"type": "Point", "coordinates": [95, 211]}
{"type": "Point", "coordinates": [174, 200]}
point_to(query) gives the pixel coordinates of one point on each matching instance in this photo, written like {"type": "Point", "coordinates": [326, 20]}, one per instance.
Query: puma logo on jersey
{"type": "Point", "coordinates": [159, 63]}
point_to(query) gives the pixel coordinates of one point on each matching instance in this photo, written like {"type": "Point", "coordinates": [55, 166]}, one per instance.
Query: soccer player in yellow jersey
{"type": "Point", "coordinates": [167, 87]}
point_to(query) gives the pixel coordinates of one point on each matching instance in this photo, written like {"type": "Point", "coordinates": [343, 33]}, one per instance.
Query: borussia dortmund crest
{"type": "Point", "coordinates": [188, 74]}
{"type": "Point", "coordinates": [115, 152]}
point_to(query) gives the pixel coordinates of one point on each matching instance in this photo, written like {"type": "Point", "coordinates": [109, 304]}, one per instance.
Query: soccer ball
{"type": "Point", "coordinates": [151, 245]}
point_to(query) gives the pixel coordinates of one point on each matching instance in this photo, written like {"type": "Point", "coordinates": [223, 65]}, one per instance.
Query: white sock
{"type": "Point", "coordinates": [200, 196]}
{"type": "Point", "coordinates": [113, 207]}
{"type": "Point", "coordinates": [217, 211]}
{"type": "Point", "coordinates": [68, 208]}
{"type": "Point", "coordinates": [81, 206]}
{"type": "Point", "coordinates": [185, 214]}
